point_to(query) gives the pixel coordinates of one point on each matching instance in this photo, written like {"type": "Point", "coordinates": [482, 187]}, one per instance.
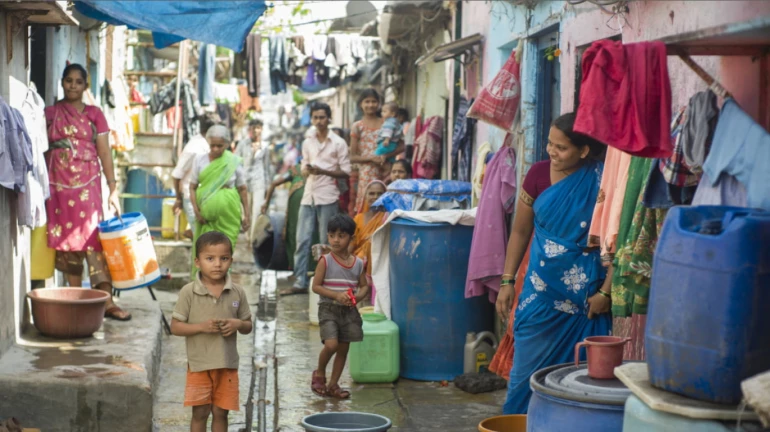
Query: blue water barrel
{"type": "Point", "coordinates": [428, 265]}
{"type": "Point", "coordinates": [143, 182]}
{"type": "Point", "coordinates": [708, 324]}
{"type": "Point", "coordinates": [565, 398]}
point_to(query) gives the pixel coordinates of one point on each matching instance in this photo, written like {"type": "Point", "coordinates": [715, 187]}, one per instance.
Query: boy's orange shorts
{"type": "Point", "coordinates": [216, 386]}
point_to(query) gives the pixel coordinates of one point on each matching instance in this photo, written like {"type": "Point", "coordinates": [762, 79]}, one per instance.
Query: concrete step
{"type": "Point", "coordinates": [102, 383]}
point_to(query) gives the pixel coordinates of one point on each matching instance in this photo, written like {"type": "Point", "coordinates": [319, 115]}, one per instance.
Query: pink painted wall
{"type": "Point", "coordinates": [650, 20]}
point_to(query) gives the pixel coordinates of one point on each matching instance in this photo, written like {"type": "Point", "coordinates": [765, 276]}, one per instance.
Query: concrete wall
{"type": "Point", "coordinates": [14, 242]}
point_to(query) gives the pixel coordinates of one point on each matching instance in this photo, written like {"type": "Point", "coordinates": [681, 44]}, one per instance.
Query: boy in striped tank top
{"type": "Point", "coordinates": [336, 274]}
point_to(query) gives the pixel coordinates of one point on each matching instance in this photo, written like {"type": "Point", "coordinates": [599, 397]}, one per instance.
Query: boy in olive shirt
{"type": "Point", "coordinates": [209, 312]}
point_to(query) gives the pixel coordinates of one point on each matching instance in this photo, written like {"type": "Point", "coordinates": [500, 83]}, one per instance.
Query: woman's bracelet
{"type": "Point", "coordinates": [109, 182]}
{"type": "Point", "coordinates": [506, 282]}
{"type": "Point", "coordinates": [605, 294]}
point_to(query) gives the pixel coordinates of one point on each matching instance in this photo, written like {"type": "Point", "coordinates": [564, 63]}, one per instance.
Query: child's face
{"type": "Point", "coordinates": [214, 261]}
{"type": "Point", "coordinates": [387, 112]}
{"type": "Point", "coordinates": [339, 241]}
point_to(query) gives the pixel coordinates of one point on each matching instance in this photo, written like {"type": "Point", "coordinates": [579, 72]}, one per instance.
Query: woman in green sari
{"type": "Point", "coordinates": [218, 190]}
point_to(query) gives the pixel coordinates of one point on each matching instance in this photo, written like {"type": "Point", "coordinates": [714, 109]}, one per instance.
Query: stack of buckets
{"type": "Point", "coordinates": [708, 324]}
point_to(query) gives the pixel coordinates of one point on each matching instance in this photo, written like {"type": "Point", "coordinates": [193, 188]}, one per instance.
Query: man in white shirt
{"type": "Point", "coordinates": [325, 158]}
{"type": "Point", "coordinates": [255, 155]}
{"type": "Point", "coordinates": [181, 174]}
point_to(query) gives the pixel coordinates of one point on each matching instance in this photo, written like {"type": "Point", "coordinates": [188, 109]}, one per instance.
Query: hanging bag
{"type": "Point", "coordinates": [498, 102]}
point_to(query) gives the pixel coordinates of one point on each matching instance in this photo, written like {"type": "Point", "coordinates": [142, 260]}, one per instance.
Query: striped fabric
{"type": "Point", "coordinates": [340, 278]}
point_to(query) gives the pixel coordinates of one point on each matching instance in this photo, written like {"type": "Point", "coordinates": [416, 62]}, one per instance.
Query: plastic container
{"type": "Point", "coordinates": [639, 417]}
{"type": "Point", "coordinates": [42, 258]}
{"type": "Point", "coordinates": [376, 358]}
{"type": "Point", "coordinates": [129, 251]}
{"type": "Point", "coordinates": [142, 182]}
{"type": "Point", "coordinates": [169, 219]}
{"type": "Point", "coordinates": [709, 307]}
{"type": "Point", "coordinates": [346, 422]}
{"type": "Point", "coordinates": [604, 354]}
{"type": "Point", "coordinates": [478, 353]}
{"type": "Point", "coordinates": [506, 423]}
{"type": "Point", "coordinates": [565, 398]}
{"type": "Point", "coordinates": [68, 312]}
{"type": "Point", "coordinates": [428, 268]}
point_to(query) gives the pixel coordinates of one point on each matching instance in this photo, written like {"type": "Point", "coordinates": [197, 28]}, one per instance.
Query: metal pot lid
{"type": "Point", "coordinates": [573, 383]}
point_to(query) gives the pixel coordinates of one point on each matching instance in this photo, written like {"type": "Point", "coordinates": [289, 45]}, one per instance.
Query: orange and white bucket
{"type": "Point", "coordinates": [129, 251]}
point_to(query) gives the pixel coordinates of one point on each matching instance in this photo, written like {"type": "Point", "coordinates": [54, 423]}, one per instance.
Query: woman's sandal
{"type": "Point", "coordinates": [117, 313]}
{"type": "Point", "coordinates": [336, 392]}
{"type": "Point", "coordinates": [318, 384]}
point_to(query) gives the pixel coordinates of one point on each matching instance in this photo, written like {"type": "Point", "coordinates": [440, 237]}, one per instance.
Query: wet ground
{"type": "Point", "coordinates": [411, 405]}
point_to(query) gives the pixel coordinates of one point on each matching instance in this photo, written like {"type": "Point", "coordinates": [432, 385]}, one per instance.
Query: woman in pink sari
{"type": "Point", "coordinates": [78, 142]}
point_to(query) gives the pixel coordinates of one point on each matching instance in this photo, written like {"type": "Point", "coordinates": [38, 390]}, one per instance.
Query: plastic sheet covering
{"type": "Point", "coordinates": [224, 23]}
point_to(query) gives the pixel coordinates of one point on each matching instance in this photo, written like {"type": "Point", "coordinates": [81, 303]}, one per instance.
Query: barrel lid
{"type": "Point", "coordinates": [569, 382]}
{"type": "Point", "coordinates": [374, 317]}
{"type": "Point", "coordinates": [115, 224]}
{"type": "Point", "coordinates": [411, 222]}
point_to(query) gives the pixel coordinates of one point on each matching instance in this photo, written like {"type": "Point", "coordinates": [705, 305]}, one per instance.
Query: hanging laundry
{"type": "Point", "coordinates": [625, 97]}
{"type": "Point", "coordinates": [427, 151]}
{"type": "Point", "coordinates": [31, 203]}
{"type": "Point", "coordinates": [462, 142]}
{"type": "Point", "coordinates": [207, 67]}
{"type": "Point", "coordinates": [253, 56]}
{"type": "Point", "coordinates": [299, 43]}
{"type": "Point", "coordinates": [343, 50]}
{"type": "Point", "coordinates": [279, 64]}
{"type": "Point", "coordinates": [605, 222]}
{"type": "Point", "coordinates": [164, 99]}
{"type": "Point", "coordinates": [726, 191]}
{"type": "Point", "coordinates": [488, 247]}
{"type": "Point", "coordinates": [741, 148]}
{"type": "Point", "coordinates": [698, 129]}
{"type": "Point", "coordinates": [247, 101]}
{"type": "Point", "coordinates": [15, 149]}
{"type": "Point", "coordinates": [675, 170]}
{"type": "Point", "coordinates": [318, 47]}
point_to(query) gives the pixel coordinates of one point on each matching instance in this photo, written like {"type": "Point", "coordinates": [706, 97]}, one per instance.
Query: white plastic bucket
{"type": "Point", "coordinates": [313, 299]}
{"type": "Point", "coordinates": [129, 251]}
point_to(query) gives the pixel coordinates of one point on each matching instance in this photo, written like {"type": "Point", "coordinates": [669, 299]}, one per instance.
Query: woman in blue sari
{"type": "Point", "coordinates": [565, 297]}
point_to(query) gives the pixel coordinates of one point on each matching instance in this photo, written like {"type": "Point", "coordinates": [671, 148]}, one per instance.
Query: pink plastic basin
{"type": "Point", "coordinates": [68, 312]}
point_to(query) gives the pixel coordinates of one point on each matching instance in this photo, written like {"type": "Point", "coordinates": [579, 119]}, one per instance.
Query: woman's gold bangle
{"type": "Point", "coordinates": [509, 276]}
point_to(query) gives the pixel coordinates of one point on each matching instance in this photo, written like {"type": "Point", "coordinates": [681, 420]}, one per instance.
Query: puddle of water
{"type": "Point", "coordinates": [49, 358]}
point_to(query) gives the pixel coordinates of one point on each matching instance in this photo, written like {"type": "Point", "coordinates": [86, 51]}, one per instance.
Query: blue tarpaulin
{"type": "Point", "coordinates": [223, 23]}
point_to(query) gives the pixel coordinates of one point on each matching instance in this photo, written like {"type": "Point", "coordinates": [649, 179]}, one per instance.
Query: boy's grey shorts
{"type": "Point", "coordinates": [340, 322]}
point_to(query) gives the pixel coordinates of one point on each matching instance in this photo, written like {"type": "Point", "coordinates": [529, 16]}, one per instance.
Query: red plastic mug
{"type": "Point", "coordinates": [604, 353]}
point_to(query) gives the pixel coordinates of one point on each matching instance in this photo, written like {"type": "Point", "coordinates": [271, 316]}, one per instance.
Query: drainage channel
{"type": "Point", "coordinates": [262, 376]}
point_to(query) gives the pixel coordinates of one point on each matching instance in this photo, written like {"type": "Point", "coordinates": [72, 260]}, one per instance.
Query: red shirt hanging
{"type": "Point", "coordinates": [625, 97]}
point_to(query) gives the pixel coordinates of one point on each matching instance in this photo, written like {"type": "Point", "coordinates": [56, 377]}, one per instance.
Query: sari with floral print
{"type": "Point", "coordinates": [552, 312]}
{"type": "Point", "coordinates": [75, 207]}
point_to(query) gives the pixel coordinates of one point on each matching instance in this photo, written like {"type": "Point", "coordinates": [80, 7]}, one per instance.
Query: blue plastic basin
{"type": "Point", "coordinates": [347, 422]}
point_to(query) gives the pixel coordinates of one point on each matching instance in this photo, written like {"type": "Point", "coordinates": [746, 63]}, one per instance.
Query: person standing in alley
{"type": "Point", "coordinates": [363, 145]}
{"type": "Point", "coordinates": [340, 281]}
{"type": "Point", "coordinates": [324, 160]}
{"type": "Point", "coordinates": [195, 147]}
{"type": "Point", "coordinates": [255, 155]}
{"type": "Point", "coordinates": [209, 313]}
{"type": "Point", "coordinates": [218, 190]}
{"type": "Point", "coordinates": [78, 136]}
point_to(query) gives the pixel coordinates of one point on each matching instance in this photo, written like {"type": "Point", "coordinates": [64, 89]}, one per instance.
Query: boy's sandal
{"type": "Point", "coordinates": [336, 392]}
{"type": "Point", "coordinates": [318, 384]}
{"type": "Point", "coordinates": [117, 313]}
